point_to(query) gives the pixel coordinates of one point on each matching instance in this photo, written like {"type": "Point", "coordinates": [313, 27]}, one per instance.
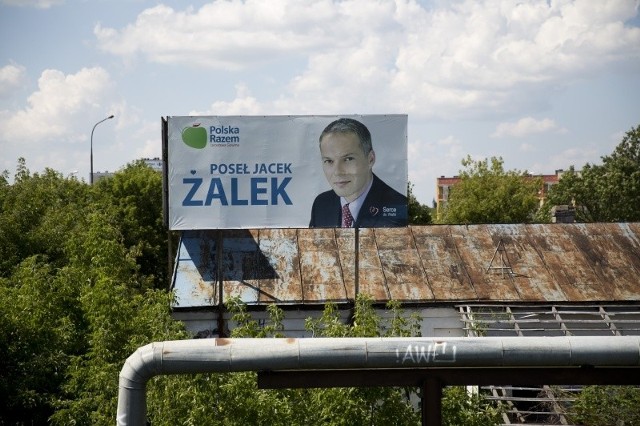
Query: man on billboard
{"type": "Point", "coordinates": [358, 198]}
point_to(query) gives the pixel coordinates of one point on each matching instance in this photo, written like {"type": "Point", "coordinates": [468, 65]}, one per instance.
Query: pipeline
{"type": "Point", "coordinates": [231, 355]}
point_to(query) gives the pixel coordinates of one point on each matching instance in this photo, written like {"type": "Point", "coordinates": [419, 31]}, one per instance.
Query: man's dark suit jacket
{"type": "Point", "coordinates": [383, 207]}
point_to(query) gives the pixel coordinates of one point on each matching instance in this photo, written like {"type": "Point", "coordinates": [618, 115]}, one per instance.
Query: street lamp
{"type": "Point", "coordinates": [91, 158]}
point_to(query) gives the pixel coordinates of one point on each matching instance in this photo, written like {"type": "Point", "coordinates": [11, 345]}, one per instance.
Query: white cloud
{"type": "Point", "coordinates": [244, 103]}
{"type": "Point", "coordinates": [11, 78]}
{"type": "Point", "coordinates": [52, 108]}
{"type": "Point", "coordinates": [223, 35]}
{"type": "Point", "coordinates": [527, 147]}
{"type": "Point", "coordinates": [577, 157]}
{"type": "Point", "coordinates": [425, 157]}
{"type": "Point", "coordinates": [141, 139]}
{"type": "Point", "coordinates": [57, 119]}
{"type": "Point", "coordinates": [458, 59]}
{"type": "Point", "coordinates": [526, 126]}
{"type": "Point", "coordinates": [478, 55]}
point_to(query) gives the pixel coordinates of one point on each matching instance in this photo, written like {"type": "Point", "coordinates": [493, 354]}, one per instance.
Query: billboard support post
{"type": "Point", "coordinates": [220, 281]}
{"type": "Point", "coordinates": [356, 238]}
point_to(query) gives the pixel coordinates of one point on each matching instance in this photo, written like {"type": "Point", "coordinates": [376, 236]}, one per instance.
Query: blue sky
{"type": "Point", "coordinates": [542, 84]}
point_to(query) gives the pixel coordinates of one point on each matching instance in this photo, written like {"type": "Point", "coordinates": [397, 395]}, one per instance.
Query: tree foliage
{"type": "Point", "coordinates": [607, 405]}
{"type": "Point", "coordinates": [487, 193]}
{"type": "Point", "coordinates": [133, 198]}
{"type": "Point", "coordinates": [609, 192]}
{"type": "Point", "coordinates": [37, 213]}
{"type": "Point", "coordinates": [419, 214]}
{"type": "Point", "coordinates": [75, 299]}
{"type": "Point", "coordinates": [459, 407]}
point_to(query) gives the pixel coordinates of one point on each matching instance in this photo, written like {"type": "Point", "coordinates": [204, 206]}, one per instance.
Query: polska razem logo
{"type": "Point", "coordinates": [195, 136]}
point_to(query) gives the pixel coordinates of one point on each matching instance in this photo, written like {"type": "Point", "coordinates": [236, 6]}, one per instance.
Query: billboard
{"type": "Point", "coordinates": [236, 172]}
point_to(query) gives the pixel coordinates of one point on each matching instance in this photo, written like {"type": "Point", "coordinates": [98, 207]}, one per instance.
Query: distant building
{"type": "Point", "coordinates": [154, 163]}
{"type": "Point", "coordinates": [445, 184]}
{"type": "Point", "coordinates": [102, 175]}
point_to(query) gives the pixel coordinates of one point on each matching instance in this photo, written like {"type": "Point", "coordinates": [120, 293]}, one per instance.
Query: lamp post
{"type": "Point", "coordinates": [91, 155]}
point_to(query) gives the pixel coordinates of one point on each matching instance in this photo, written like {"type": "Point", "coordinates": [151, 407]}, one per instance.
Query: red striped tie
{"type": "Point", "coordinates": [347, 219]}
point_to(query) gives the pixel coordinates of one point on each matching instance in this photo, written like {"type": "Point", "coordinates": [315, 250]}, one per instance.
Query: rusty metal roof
{"type": "Point", "coordinates": [417, 264]}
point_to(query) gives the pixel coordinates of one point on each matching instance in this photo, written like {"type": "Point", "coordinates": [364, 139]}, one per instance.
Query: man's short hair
{"type": "Point", "coordinates": [349, 125]}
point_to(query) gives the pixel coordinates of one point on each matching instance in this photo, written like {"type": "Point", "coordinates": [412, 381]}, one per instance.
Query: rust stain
{"type": "Point", "coordinates": [438, 263]}
{"type": "Point", "coordinates": [442, 265]}
{"type": "Point", "coordinates": [320, 266]}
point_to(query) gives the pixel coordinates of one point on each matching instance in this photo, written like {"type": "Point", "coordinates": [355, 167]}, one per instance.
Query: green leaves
{"type": "Point", "coordinates": [607, 405]}
{"type": "Point", "coordinates": [37, 214]}
{"type": "Point", "coordinates": [418, 214]}
{"type": "Point", "coordinates": [75, 300]}
{"type": "Point", "coordinates": [489, 194]}
{"type": "Point", "coordinates": [459, 407]}
{"type": "Point", "coordinates": [609, 192]}
{"type": "Point", "coordinates": [133, 199]}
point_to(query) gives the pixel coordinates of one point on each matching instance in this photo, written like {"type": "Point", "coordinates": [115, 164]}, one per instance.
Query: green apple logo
{"type": "Point", "coordinates": [195, 136]}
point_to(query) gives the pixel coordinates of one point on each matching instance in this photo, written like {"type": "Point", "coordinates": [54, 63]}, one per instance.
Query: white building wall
{"type": "Point", "coordinates": [435, 321]}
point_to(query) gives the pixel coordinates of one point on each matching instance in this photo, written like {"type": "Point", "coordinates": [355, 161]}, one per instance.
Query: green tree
{"type": "Point", "coordinates": [37, 213]}
{"type": "Point", "coordinates": [38, 334]}
{"type": "Point", "coordinates": [487, 193]}
{"type": "Point", "coordinates": [121, 310]}
{"type": "Point", "coordinates": [419, 214]}
{"type": "Point", "coordinates": [133, 198]}
{"type": "Point", "coordinates": [41, 325]}
{"type": "Point", "coordinates": [74, 300]}
{"type": "Point", "coordinates": [609, 192]}
{"type": "Point", "coordinates": [459, 407]}
{"type": "Point", "coordinates": [607, 405]}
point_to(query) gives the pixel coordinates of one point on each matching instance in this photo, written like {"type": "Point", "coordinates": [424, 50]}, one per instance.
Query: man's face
{"type": "Point", "coordinates": [345, 165]}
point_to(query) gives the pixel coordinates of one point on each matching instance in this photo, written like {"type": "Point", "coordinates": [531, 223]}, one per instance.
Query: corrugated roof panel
{"type": "Point", "coordinates": [345, 240]}
{"type": "Point", "coordinates": [280, 248]}
{"type": "Point", "coordinates": [605, 258]}
{"type": "Point", "coordinates": [477, 248]}
{"type": "Point", "coordinates": [243, 263]}
{"type": "Point", "coordinates": [532, 278]}
{"type": "Point", "coordinates": [442, 263]}
{"type": "Point", "coordinates": [613, 257]}
{"type": "Point", "coordinates": [568, 265]}
{"type": "Point", "coordinates": [401, 266]}
{"type": "Point", "coordinates": [443, 267]}
{"type": "Point", "coordinates": [320, 267]}
{"type": "Point", "coordinates": [195, 275]}
{"type": "Point", "coordinates": [372, 280]}
{"type": "Point", "coordinates": [394, 239]}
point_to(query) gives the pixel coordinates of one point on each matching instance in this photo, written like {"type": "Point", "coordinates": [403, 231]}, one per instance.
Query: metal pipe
{"type": "Point", "coordinates": [229, 355]}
